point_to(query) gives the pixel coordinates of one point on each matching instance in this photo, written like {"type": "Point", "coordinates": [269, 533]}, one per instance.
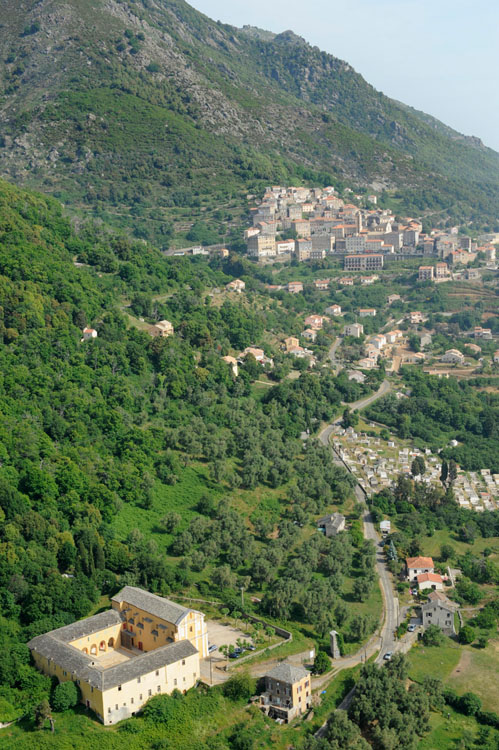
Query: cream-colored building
{"type": "Point", "coordinates": [144, 646]}
{"type": "Point", "coordinates": [164, 328]}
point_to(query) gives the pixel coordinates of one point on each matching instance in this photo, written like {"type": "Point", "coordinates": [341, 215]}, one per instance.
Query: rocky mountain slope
{"type": "Point", "coordinates": [146, 111]}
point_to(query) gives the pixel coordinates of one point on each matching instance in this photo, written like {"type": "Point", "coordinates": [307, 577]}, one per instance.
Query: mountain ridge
{"type": "Point", "coordinates": [77, 80]}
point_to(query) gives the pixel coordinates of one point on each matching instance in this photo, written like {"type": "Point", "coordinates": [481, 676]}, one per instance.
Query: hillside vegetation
{"type": "Point", "coordinates": [132, 459]}
{"type": "Point", "coordinates": [150, 115]}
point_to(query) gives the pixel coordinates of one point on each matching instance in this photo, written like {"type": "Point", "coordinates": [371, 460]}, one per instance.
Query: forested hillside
{"type": "Point", "coordinates": [441, 410]}
{"type": "Point", "coordinates": [131, 459]}
{"type": "Point", "coordinates": [150, 115]}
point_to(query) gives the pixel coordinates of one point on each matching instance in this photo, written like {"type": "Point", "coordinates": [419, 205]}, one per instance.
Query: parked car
{"type": "Point", "coordinates": [235, 655]}
{"type": "Point", "coordinates": [388, 655]}
{"type": "Point", "coordinates": [212, 647]}
{"type": "Point", "coordinates": [411, 628]}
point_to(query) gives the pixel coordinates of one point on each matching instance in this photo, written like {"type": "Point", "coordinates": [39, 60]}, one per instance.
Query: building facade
{"type": "Point", "coordinates": [144, 646]}
{"type": "Point", "coordinates": [288, 692]}
{"type": "Point", "coordinates": [439, 611]}
{"type": "Point", "coordinates": [364, 262]}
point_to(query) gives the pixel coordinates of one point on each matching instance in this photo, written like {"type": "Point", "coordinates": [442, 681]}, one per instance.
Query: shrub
{"type": "Point", "coordinates": [66, 695]}
{"type": "Point", "coordinates": [470, 704]}
{"type": "Point", "coordinates": [321, 663]}
{"type": "Point", "coordinates": [489, 718]}
{"type": "Point", "coordinates": [466, 635]}
{"type": "Point", "coordinates": [451, 697]}
{"type": "Point", "coordinates": [433, 636]}
{"type": "Point", "coordinates": [239, 686]}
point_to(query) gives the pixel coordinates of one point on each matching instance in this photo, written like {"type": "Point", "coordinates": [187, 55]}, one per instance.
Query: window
{"type": "Point", "coordinates": [175, 681]}
{"type": "Point", "coordinates": [149, 692]}
{"type": "Point", "coordinates": [116, 706]}
{"type": "Point", "coordinates": [159, 688]}
{"type": "Point", "coordinates": [131, 700]}
{"type": "Point", "coordinates": [183, 662]}
{"type": "Point", "coordinates": [140, 697]}
{"type": "Point", "coordinates": [119, 687]}
{"type": "Point", "coordinates": [64, 673]}
{"type": "Point", "coordinates": [183, 678]}
{"type": "Point", "coordinates": [138, 680]}
{"type": "Point", "coordinates": [190, 629]}
{"type": "Point", "coordinates": [157, 672]}
{"type": "Point", "coordinates": [109, 710]}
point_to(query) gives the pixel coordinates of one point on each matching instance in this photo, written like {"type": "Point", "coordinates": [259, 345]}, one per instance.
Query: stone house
{"type": "Point", "coordinates": [439, 610]}
{"type": "Point", "coordinates": [354, 329]}
{"type": "Point", "coordinates": [453, 356]}
{"type": "Point", "coordinates": [332, 524]}
{"type": "Point", "coordinates": [288, 692]}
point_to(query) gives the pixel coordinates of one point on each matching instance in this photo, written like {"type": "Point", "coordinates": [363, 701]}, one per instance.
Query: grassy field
{"type": "Point", "coordinates": [181, 498]}
{"type": "Point", "coordinates": [432, 544]}
{"type": "Point", "coordinates": [478, 671]}
{"type": "Point", "coordinates": [464, 668]}
{"type": "Point", "coordinates": [433, 661]}
{"type": "Point", "coordinates": [447, 732]}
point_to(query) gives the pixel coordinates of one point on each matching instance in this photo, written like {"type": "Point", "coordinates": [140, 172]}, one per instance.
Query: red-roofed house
{"type": "Point", "coordinates": [417, 565]}
{"type": "Point", "coordinates": [430, 581]}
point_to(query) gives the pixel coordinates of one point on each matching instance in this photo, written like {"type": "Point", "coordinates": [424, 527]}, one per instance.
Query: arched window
{"type": "Point", "coordinates": [110, 643]}
{"type": "Point", "coordinates": [85, 650]}
{"type": "Point", "coordinates": [93, 649]}
{"type": "Point", "coordinates": [102, 646]}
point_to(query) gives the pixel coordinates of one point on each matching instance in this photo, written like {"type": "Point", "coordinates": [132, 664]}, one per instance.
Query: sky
{"type": "Point", "coordinates": [439, 56]}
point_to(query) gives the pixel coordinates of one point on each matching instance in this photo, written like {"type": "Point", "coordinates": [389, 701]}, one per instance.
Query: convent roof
{"type": "Point", "coordinates": [151, 603]}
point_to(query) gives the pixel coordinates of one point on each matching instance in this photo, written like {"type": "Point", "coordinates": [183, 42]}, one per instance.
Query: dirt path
{"type": "Point", "coordinates": [462, 665]}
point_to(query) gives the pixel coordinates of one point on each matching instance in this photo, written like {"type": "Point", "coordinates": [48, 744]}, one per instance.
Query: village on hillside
{"type": "Point", "coordinates": [310, 224]}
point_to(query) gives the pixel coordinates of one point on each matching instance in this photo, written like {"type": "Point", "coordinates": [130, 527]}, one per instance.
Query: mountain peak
{"type": "Point", "coordinates": [289, 37]}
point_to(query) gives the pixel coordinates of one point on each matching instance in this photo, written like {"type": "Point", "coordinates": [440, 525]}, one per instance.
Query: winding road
{"type": "Point", "coordinates": [386, 640]}
{"type": "Point", "coordinates": [390, 601]}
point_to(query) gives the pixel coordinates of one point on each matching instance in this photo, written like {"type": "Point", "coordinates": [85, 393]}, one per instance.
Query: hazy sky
{"type": "Point", "coordinates": [439, 56]}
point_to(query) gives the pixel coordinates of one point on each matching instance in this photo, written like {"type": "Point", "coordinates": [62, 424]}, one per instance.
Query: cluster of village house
{"type": "Point", "coordinates": [322, 224]}
{"type": "Point", "coordinates": [377, 464]}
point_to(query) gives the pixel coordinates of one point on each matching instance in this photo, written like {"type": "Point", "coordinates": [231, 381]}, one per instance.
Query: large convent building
{"type": "Point", "coordinates": [145, 645]}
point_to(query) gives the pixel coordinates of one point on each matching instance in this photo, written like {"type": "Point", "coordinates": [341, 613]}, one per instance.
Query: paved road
{"type": "Point", "coordinates": [384, 388]}
{"type": "Point", "coordinates": [332, 351]}
{"type": "Point", "coordinates": [385, 641]}
{"type": "Point", "coordinates": [390, 601]}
